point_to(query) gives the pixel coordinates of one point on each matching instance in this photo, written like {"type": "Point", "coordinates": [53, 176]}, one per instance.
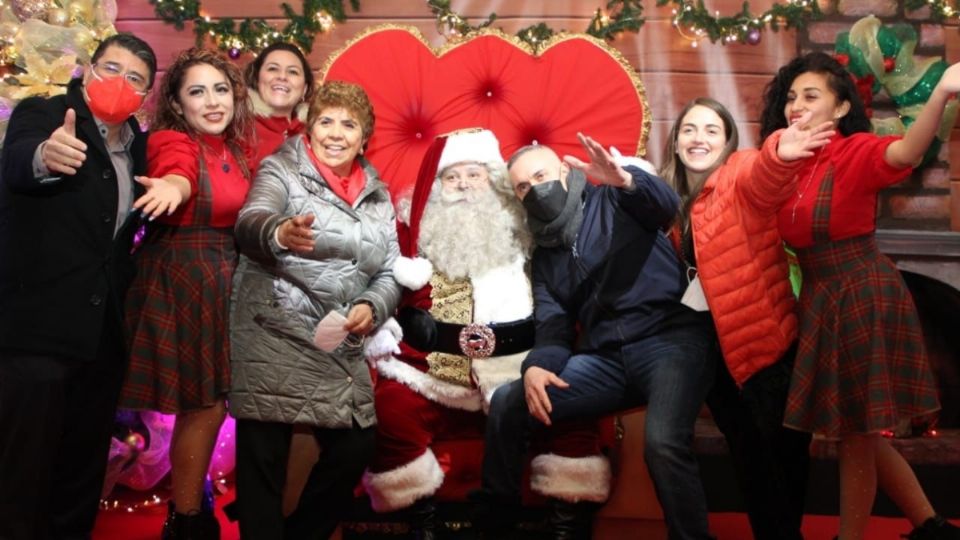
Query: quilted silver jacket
{"type": "Point", "coordinates": [279, 296]}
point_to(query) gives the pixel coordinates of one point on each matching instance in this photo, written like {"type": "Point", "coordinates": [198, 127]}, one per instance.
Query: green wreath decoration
{"type": "Point", "coordinates": [255, 34]}
{"type": "Point", "coordinates": [880, 58]}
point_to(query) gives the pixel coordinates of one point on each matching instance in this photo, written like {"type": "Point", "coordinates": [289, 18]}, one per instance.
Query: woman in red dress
{"type": "Point", "coordinates": [861, 366]}
{"type": "Point", "coordinates": [178, 304]}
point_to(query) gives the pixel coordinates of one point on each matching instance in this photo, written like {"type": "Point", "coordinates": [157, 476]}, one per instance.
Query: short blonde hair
{"type": "Point", "coordinates": [344, 95]}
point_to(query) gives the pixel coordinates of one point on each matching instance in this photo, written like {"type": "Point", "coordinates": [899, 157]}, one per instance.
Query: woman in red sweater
{"type": "Point", "coordinates": [280, 84]}
{"type": "Point", "coordinates": [861, 367]}
{"type": "Point", "coordinates": [178, 304]}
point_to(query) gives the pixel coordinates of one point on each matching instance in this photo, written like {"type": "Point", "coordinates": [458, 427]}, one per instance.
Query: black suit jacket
{"type": "Point", "coordinates": [60, 265]}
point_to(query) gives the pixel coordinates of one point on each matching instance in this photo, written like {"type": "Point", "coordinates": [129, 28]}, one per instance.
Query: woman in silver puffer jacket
{"type": "Point", "coordinates": [317, 235]}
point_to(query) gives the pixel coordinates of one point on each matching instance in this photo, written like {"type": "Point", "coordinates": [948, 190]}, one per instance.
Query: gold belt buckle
{"type": "Point", "coordinates": [477, 340]}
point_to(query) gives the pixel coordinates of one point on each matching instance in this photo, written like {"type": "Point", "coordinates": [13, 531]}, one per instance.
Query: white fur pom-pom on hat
{"type": "Point", "coordinates": [412, 272]}
{"type": "Point", "coordinates": [479, 145]}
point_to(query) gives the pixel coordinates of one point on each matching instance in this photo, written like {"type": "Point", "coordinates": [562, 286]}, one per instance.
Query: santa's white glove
{"type": "Point", "coordinates": [632, 161]}
{"type": "Point", "coordinates": [384, 343]}
{"type": "Point", "coordinates": [412, 273]}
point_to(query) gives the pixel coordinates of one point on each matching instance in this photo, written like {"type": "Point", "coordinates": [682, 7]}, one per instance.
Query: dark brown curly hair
{"type": "Point", "coordinates": [838, 80]}
{"type": "Point", "coordinates": [165, 116]}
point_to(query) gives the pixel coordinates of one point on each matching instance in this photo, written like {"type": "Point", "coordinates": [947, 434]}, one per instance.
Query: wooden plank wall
{"type": "Point", "coordinates": [672, 71]}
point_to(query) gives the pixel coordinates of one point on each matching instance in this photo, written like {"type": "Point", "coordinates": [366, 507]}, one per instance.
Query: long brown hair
{"type": "Point", "coordinates": [165, 116]}
{"type": "Point", "coordinates": [674, 171]}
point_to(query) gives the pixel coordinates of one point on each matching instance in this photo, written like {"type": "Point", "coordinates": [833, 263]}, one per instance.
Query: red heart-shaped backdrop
{"type": "Point", "coordinates": [490, 80]}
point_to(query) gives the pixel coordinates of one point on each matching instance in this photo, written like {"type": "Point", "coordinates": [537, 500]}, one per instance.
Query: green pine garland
{"type": "Point", "coordinates": [255, 34]}
{"type": "Point", "coordinates": [627, 15]}
{"type": "Point", "coordinates": [744, 26]}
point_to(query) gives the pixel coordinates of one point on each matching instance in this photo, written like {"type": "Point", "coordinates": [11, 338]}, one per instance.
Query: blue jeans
{"type": "Point", "coordinates": [670, 373]}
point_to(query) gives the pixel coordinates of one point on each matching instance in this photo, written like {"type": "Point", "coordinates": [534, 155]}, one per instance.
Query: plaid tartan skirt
{"type": "Point", "coordinates": [861, 365]}
{"type": "Point", "coordinates": [176, 318]}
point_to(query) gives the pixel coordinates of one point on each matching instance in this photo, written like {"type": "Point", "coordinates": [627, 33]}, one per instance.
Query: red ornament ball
{"type": "Point", "coordinates": [888, 64]}
{"type": "Point", "coordinates": [843, 59]}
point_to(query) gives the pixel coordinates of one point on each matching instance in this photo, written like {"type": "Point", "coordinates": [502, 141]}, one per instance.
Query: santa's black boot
{"type": "Point", "coordinates": [423, 519]}
{"type": "Point", "coordinates": [570, 521]}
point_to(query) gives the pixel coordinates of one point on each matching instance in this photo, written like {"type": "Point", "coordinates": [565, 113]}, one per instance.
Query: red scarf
{"type": "Point", "coordinates": [347, 187]}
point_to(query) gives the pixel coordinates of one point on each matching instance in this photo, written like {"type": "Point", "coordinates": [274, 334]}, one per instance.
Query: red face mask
{"type": "Point", "coordinates": [112, 100]}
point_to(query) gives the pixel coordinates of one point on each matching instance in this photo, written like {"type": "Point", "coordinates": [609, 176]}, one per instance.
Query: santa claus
{"type": "Point", "coordinates": [464, 325]}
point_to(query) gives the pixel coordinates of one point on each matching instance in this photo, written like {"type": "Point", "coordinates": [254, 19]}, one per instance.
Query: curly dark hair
{"type": "Point", "coordinates": [838, 80]}
{"type": "Point", "coordinates": [252, 73]}
{"type": "Point", "coordinates": [165, 116]}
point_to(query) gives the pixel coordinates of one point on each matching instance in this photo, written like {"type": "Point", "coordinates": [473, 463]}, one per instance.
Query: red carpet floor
{"type": "Point", "coordinates": [144, 524]}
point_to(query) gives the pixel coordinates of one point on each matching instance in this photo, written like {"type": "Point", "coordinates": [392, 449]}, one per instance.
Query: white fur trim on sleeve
{"type": "Point", "coordinates": [413, 273]}
{"type": "Point", "coordinates": [403, 486]}
{"type": "Point", "coordinates": [632, 161]}
{"type": "Point", "coordinates": [571, 479]}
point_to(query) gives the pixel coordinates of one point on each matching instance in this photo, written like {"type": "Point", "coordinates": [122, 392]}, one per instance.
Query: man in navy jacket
{"type": "Point", "coordinates": [611, 332]}
{"type": "Point", "coordinates": [66, 234]}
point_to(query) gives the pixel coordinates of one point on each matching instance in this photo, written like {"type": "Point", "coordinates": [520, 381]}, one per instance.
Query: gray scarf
{"type": "Point", "coordinates": [562, 231]}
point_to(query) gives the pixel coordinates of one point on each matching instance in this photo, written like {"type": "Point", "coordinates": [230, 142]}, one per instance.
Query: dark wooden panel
{"type": "Point", "coordinates": [658, 47]}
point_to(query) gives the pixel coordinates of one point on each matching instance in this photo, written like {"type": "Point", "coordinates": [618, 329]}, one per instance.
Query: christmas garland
{"type": "Point", "coordinates": [620, 16]}
{"type": "Point", "coordinates": [939, 9]}
{"type": "Point", "coordinates": [881, 58]}
{"type": "Point", "coordinates": [694, 21]}
{"type": "Point", "coordinates": [255, 34]}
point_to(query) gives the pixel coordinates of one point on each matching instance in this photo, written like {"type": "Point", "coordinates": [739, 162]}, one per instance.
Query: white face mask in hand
{"type": "Point", "coordinates": [330, 333]}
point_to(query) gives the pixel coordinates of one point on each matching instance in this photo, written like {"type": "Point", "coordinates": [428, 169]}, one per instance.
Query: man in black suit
{"type": "Point", "coordinates": [66, 189]}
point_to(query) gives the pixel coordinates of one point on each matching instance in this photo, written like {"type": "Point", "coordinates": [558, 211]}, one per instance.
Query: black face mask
{"type": "Point", "coordinates": [545, 201]}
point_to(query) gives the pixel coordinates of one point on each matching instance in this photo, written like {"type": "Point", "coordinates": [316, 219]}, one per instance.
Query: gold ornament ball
{"type": "Point", "coordinates": [136, 442]}
{"type": "Point", "coordinates": [29, 9]}
{"type": "Point", "coordinates": [58, 17]}
{"type": "Point", "coordinates": [79, 13]}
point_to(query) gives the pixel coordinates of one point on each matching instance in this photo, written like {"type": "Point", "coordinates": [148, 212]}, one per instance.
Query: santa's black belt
{"type": "Point", "coordinates": [482, 340]}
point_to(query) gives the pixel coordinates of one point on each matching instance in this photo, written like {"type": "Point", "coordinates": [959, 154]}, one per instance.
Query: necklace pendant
{"type": "Point", "coordinates": [226, 167]}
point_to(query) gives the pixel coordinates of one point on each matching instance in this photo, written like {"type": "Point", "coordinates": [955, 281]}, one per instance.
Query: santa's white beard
{"type": "Point", "coordinates": [467, 236]}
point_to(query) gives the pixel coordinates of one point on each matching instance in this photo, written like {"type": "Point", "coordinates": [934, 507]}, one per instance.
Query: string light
{"type": "Point", "coordinates": [251, 35]}
{"type": "Point", "coordinates": [621, 16]}
{"type": "Point", "coordinates": [939, 9]}
{"type": "Point", "coordinates": [744, 26]}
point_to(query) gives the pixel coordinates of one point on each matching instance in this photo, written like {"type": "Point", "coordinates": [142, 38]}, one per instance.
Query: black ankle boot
{"type": "Point", "coordinates": [570, 521]}
{"type": "Point", "coordinates": [935, 528]}
{"type": "Point", "coordinates": [423, 519]}
{"type": "Point", "coordinates": [196, 526]}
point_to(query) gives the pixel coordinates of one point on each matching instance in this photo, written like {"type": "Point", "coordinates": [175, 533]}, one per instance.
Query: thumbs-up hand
{"type": "Point", "coordinates": [63, 152]}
